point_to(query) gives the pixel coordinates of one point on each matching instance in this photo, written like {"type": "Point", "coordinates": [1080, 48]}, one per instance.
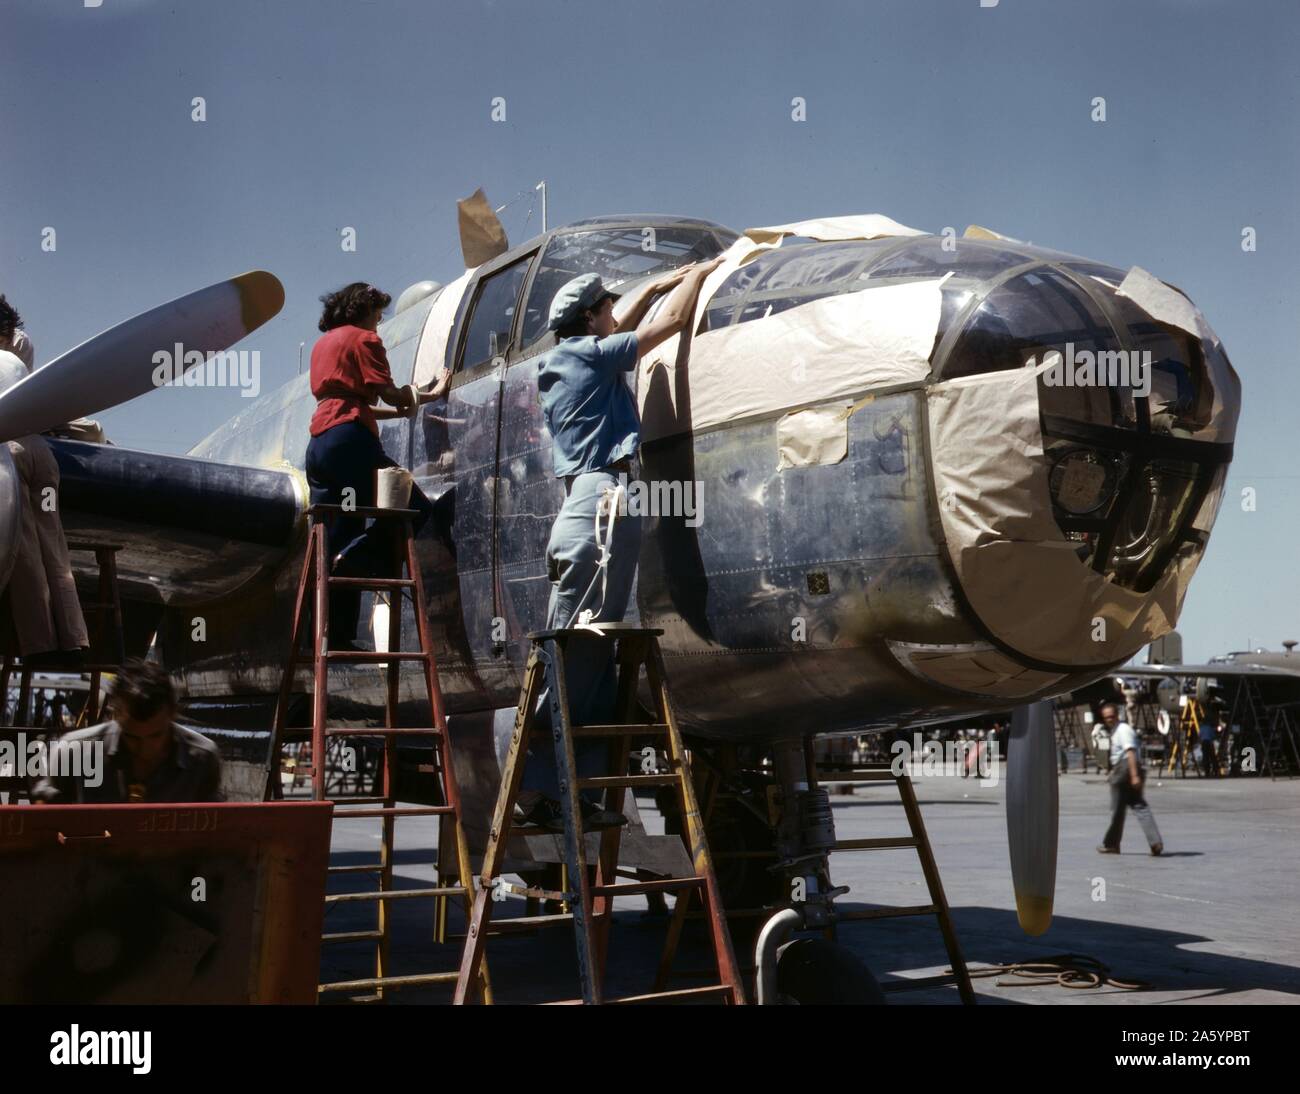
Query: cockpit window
{"type": "Point", "coordinates": [494, 315]}
{"type": "Point", "coordinates": [793, 274]}
{"type": "Point", "coordinates": [618, 255]}
{"type": "Point", "coordinates": [1042, 317]}
{"type": "Point", "coordinates": [1181, 397]}
{"type": "Point", "coordinates": [934, 256]}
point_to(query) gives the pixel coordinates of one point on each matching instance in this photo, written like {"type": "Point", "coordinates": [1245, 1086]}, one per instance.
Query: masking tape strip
{"type": "Point", "coordinates": [432, 353]}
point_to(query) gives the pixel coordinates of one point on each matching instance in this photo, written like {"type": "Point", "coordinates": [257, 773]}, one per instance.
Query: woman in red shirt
{"type": "Point", "coordinates": [349, 374]}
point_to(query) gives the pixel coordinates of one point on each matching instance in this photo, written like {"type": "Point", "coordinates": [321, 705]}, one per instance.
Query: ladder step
{"type": "Point", "coordinates": [350, 936]}
{"type": "Point", "coordinates": [668, 885]}
{"type": "Point", "coordinates": [528, 922]}
{"type": "Point", "coordinates": [622, 729]}
{"type": "Point", "coordinates": [873, 844]}
{"type": "Point", "coordinates": [858, 774]}
{"type": "Point", "coordinates": [390, 982]}
{"type": "Point", "coordinates": [382, 731]}
{"type": "Point", "coordinates": [712, 991]}
{"type": "Point", "coordinates": [627, 781]}
{"type": "Point", "coordinates": [532, 892]}
{"type": "Point", "coordinates": [373, 582]}
{"type": "Point", "coordinates": [393, 894]}
{"type": "Point", "coordinates": [885, 913]}
{"type": "Point", "coordinates": [372, 657]}
{"type": "Point", "coordinates": [354, 869]}
{"type": "Point", "coordinates": [398, 811]}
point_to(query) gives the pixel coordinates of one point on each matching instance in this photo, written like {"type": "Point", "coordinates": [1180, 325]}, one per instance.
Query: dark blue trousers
{"type": "Point", "coordinates": [346, 457]}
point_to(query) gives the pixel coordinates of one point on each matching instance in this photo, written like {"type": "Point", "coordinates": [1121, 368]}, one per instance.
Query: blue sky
{"type": "Point", "coordinates": [376, 114]}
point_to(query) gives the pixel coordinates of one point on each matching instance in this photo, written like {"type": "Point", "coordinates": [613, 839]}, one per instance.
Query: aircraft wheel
{"type": "Point", "coordinates": [813, 972]}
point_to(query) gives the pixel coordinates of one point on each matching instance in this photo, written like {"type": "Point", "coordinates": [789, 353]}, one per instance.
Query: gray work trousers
{"type": "Point", "coordinates": [1124, 796]}
{"type": "Point", "coordinates": [572, 558]}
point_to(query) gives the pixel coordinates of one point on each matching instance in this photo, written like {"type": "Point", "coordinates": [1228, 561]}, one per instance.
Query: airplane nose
{"type": "Point", "coordinates": [1080, 436]}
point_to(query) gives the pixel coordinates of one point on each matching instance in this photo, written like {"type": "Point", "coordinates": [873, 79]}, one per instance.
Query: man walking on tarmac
{"type": "Point", "coordinates": [593, 550]}
{"type": "Point", "coordinates": [1127, 778]}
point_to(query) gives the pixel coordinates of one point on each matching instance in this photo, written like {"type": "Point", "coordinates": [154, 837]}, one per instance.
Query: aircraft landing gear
{"type": "Point", "coordinates": [816, 971]}
{"type": "Point", "coordinates": [806, 970]}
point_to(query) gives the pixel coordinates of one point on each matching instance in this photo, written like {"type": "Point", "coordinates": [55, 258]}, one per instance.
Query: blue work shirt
{"type": "Point", "coordinates": [588, 407]}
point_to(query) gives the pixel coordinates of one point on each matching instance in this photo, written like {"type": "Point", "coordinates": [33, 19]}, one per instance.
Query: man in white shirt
{"type": "Point", "coordinates": [1127, 777]}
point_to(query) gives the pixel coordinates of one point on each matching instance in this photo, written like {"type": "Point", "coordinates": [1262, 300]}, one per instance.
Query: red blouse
{"type": "Point", "coordinates": [348, 364]}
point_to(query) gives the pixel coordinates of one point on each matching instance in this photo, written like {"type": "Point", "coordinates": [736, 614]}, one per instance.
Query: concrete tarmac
{"type": "Point", "coordinates": [1214, 920]}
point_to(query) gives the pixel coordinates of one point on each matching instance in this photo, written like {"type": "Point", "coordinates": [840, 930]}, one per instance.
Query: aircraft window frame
{"type": "Point", "coordinates": [466, 323]}
{"type": "Point", "coordinates": [540, 340]}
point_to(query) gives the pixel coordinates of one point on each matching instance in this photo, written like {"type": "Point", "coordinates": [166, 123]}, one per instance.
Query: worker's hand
{"type": "Point", "coordinates": [1135, 781]}
{"type": "Point", "coordinates": [437, 388]}
{"type": "Point", "coordinates": [671, 279]}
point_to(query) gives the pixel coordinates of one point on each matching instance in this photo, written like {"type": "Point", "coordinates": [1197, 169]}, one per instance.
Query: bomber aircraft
{"type": "Point", "coordinates": [903, 509]}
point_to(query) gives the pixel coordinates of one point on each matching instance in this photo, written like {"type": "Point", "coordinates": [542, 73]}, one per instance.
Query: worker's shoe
{"type": "Point", "coordinates": [548, 815]}
{"type": "Point", "coordinates": [1158, 849]}
{"type": "Point", "coordinates": [544, 813]}
{"type": "Point", "coordinates": [594, 818]}
{"type": "Point", "coordinates": [1102, 849]}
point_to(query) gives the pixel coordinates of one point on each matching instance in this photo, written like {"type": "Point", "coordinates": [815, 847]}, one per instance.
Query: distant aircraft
{"type": "Point", "coordinates": [909, 510]}
{"type": "Point", "coordinates": [1256, 691]}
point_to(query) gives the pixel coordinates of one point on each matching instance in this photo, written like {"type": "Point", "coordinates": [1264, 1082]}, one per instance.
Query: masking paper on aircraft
{"type": "Point", "coordinates": [1163, 304]}
{"type": "Point", "coordinates": [1020, 574]}
{"type": "Point", "coordinates": [834, 346]}
{"type": "Point", "coordinates": [482, 236]}
{"type": "Point", "coordinates": [975, 231]}
{"type": "Point", "coordinates": [819, 435]}
{"type": "Point", "coordinates": [430, 358]}
{"type": "Point", "coordinates": [861, 226]}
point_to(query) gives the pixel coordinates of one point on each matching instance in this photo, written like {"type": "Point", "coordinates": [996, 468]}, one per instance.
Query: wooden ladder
{"type": "Point", "coordinates": [591, 904]}
{"type": "Point", "coordinates": [938, 906]}
{"type": "Point", "coordinates": [920, 842]}
{"type": "Point", "coordinates": [313, 602]}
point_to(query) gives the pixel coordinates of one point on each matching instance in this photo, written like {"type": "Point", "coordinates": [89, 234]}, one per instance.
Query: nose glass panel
{"type": "Point", "coordinates": [1114, 411]}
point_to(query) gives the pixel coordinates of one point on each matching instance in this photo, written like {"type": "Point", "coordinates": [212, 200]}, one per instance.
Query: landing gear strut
{"type": "Point", "coordinates": [806, 970]}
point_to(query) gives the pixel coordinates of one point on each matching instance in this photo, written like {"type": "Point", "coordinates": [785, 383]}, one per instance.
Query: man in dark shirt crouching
{"type": "Point", "coordinates": [140, 756]}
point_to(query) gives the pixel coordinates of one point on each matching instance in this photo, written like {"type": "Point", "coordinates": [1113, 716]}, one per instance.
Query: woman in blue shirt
{"type": "Point", "coordinates": [595, 430]}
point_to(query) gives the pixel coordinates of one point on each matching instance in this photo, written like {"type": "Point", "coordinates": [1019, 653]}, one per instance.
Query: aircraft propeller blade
{"type": "Point", "coordinates": [1033, 813]}
{"type": "Point", "coordinates": [118, 364]}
